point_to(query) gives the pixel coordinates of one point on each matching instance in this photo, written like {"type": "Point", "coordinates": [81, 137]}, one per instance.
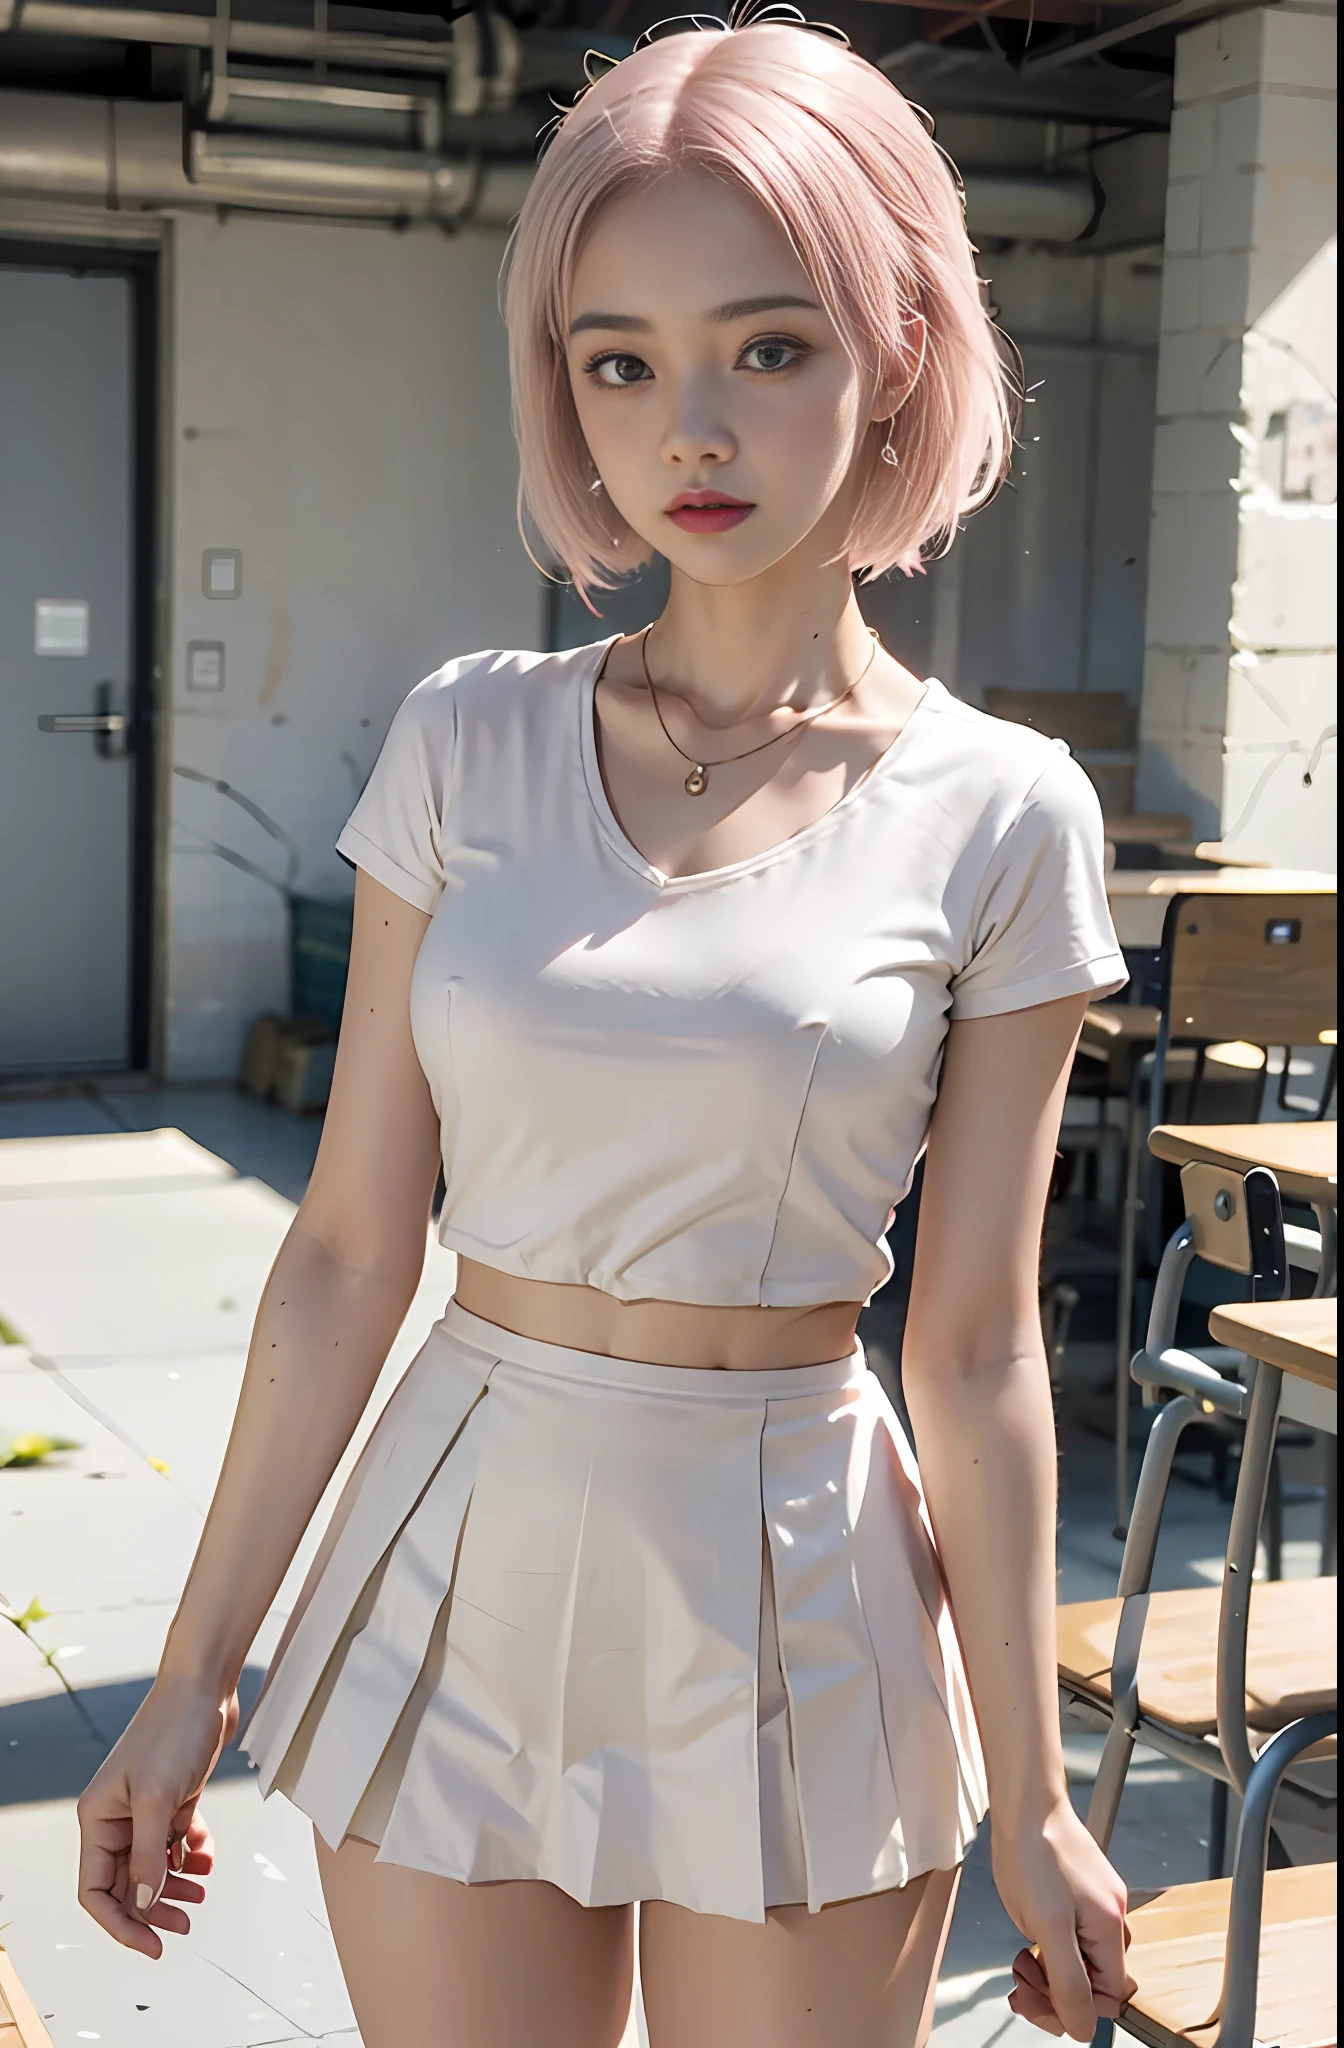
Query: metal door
{"type": "Point", "coordinates": [72, 530]}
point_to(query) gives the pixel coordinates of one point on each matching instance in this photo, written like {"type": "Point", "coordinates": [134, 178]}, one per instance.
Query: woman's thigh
{"type": "Point", "coordinates": [448, 1965]}
{"type": "Point", "coordinates": [861, 1972]}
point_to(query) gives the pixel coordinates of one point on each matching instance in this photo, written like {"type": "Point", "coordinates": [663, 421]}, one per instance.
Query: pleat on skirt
{"type": "Point", "coordinates": [640, 1631]}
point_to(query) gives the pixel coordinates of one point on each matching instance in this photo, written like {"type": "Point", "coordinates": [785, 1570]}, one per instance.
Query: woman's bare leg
{"type": "Point", "coordinates": [861, 1972]}
{"type": "Point", "coordinates": [445, 1965]}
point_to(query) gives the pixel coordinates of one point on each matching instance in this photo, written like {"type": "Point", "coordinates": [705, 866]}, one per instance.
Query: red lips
{"type": "Point", "coordinates": [708, 511]}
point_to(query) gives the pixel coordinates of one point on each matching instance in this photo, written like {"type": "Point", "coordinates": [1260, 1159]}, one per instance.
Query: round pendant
{"type": "Point", "coordinates": [697, 782]}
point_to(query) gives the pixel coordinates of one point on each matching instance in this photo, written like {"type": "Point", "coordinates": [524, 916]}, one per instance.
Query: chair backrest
{"type": "Point", "coordinates": [1237, 1223]}
{"type": "Point", "coordinates": [1099, 727]}
{"type": "Point", "coordinates": [1254, 967]}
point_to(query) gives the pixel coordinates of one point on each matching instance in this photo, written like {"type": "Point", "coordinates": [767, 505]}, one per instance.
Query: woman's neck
{"type": "Point", "coordinates": [739, 652]}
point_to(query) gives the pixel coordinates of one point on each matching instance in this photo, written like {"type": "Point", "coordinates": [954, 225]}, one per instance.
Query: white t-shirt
{"type": "Point", "coordinates": [710, 1089]}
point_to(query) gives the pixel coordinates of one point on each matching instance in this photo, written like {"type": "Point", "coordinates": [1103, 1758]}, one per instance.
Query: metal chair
{"type": "Point", "coordinates": [1254, 969]}
{"type": "Point", "coordinates": [1214, 1955]}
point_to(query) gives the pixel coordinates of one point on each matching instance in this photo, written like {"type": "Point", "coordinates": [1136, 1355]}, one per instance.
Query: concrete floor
{"type": "Point", "coordinates": [130, 1269]}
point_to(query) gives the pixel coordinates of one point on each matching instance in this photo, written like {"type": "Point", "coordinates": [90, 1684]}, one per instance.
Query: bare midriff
{"type": "Point", "coordinates": [658, 1332]}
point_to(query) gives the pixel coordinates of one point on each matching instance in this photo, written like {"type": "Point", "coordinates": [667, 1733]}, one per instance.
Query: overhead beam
{"type": "Point", "coordinates": [1142, 25]}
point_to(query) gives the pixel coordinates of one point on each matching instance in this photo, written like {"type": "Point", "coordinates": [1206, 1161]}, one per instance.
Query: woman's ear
{"type": "Point", "coordinates": [904, 370]}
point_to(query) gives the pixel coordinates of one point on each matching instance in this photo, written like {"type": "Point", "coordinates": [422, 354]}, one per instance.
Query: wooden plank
{"type": "Point", "coordinates": [1300, 1337]}
{"type": "Point", "coordinates": [1088, 721]}
{"type": "Point", "coordinates": [1290, 1653]}
{"type": "Point", "coordinates": [1147, 829]}
{"type": "Point", "coordinates": [1176, 1955]}
{"type": "Point", "coordinates": [1165, 882]}
{"type": "Point", "coordinates": [20, 2026]}
{"type": "Point", "coordinates": [1303, 1156]}
{"type": "Point", "coordinates": [1139, 896]}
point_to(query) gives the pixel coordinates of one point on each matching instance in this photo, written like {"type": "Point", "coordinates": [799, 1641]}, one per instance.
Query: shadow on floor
{"type": "Point", "coordinates": [50, 1748]}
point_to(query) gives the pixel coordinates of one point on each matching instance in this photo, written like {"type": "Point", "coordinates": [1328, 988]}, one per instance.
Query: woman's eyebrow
{"type": "Point", "coordinates": [718, 316]}
{"type": "Point", "coordinates": [771, 302]}
{"type": "Point", "coordinates": [618, 323]}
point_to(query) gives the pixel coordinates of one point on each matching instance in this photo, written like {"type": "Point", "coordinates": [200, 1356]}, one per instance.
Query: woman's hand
{"type": "Point", "coordinates": [142, 1842]}
{"type": "Point", "coordinates": [1064, 1896]}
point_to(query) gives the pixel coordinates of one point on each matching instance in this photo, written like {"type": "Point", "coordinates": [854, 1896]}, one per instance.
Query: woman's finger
{"type": "Point", "coordinates": [104, 1838]}
{"type": "Point", "coordinates": [1030, 1996]}
{"type": "Point", "coordinates": [184, 1889]}
{"type": "Point", "coordinates": [101, 1904]}
{"type": "Point", "coordinates": [1102, 1939]}
{"type": "Point", "coordinates": [1067, 1979]}
{"type": "Point", "coordinates": [147, 1868]}
{"type": "Point", "coordinates": [1040, 2013]}
{"type": "Point", "coordinates": [168, 1919]}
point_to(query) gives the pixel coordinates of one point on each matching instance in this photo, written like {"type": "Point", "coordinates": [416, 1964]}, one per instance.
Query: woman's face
{"type": "Point", "coordinates": [718, 403]}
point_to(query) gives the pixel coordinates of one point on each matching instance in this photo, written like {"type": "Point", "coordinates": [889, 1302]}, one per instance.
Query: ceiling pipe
{"type": "Point", "coordinates": [243, 38]}
{"type": "Point", "coordinates": [1025, 207]}
{"type": "Point", "coordinates": [1179, 12]}
{"type": "Point", "coordinates": [127, 154]}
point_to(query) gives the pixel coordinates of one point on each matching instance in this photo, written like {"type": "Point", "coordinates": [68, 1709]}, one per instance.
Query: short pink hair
{"type": "Point", "coordinates": [847, 167]}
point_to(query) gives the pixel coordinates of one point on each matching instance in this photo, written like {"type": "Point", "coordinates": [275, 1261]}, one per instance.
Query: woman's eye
{"type": "Point", "coordinates": [619, 370]}
{"type": "Point", "coordinates": [767, 356]}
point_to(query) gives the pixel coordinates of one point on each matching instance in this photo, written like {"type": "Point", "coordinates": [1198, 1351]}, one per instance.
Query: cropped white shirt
{"type": "Point", "coordinates": [710, 1089]}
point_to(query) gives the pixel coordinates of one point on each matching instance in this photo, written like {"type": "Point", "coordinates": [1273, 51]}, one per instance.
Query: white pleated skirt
{"type": "Point", "coordinates": [639, 1631]}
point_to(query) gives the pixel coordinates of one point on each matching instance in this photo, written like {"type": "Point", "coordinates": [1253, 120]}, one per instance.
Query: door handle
{"type": "Point", "coordinates": [110, 730]}
{"type": "Point", "coordinates": [82, 721]}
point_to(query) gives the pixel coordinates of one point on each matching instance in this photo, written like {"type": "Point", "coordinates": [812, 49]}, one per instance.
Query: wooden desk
{"type": "Point", "coordinates": [1139, 896]}
{"type": "Point", "coordinates": [1299, 1337]}
{"type": "Point", "coordinates": [1302, 1157]}
{"type": "Point", "coordinates": [1146, 829]}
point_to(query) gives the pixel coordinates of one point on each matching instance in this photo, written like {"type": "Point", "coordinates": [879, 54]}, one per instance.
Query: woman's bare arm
{"type": "Point", "coordinates": [337, 1294]}
{"type": "Point", "coordinates": [978, 1391]}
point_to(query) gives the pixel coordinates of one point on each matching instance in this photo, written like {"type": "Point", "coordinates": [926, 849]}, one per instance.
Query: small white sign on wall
{"type": "Point", "coordinates": [222, 572]}
{"type": "Point", "coordinates": [62, 626]}
{"type": "Point", "coordinates": [205, 664]}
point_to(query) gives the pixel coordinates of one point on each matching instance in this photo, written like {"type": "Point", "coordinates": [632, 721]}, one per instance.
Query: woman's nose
{"type": "Point", "coordinates": [697, 433]}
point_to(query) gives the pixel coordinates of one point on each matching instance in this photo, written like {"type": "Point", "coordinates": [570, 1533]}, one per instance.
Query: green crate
{"type": "Point", "coordinates": [319, 956]}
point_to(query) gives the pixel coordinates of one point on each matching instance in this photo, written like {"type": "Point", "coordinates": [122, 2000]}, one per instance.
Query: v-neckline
{"type": "Point", "coordinates": [619, 839]}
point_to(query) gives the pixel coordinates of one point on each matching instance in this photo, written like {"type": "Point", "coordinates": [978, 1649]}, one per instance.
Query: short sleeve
{"type": "Point", "coordinates": [395, 831]}
{"type": "Point", "coordinates": [1042, 925]}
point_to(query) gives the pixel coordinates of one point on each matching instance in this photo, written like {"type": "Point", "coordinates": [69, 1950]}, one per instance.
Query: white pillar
{"type": "Point", "coordinates": [1239, 672]}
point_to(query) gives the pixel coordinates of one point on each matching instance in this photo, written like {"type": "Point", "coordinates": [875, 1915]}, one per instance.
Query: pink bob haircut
{"type": "Point", "coordinates": [873, 210]}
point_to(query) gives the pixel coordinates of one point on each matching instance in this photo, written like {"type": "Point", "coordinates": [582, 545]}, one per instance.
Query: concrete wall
{"type": "Point", "coordinates": [1045, 589]}
{"type": "Point", "coordinates": [340, 416]}
{"type": "Point", "coordinates": [1239, 691]}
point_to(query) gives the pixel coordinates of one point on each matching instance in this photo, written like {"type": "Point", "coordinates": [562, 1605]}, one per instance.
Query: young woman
{"type": "Point", "coordinates": [679, 949]}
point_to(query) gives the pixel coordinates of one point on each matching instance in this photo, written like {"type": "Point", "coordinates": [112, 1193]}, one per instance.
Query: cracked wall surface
{"type": "Point", "coordinates": [1239, 697]}
{"type": "Point", "coordinates": [340, 417]}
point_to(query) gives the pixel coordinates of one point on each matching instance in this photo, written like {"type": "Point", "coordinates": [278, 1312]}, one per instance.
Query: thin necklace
{"type": "Point", "coordinates": [697, 782]}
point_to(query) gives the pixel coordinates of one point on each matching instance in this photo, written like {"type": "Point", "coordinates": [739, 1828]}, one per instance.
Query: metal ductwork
{"type": "Point", "coordinates": [1022, 207]}
{"type": "Point", "coordinates": [127, 155]}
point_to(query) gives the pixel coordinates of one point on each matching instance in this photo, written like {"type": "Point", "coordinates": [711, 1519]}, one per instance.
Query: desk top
{"type": "Point", "coordinates": [1300, 1337]}
{"type": "Point", "coordinates": [1220, 882]}
{"type": "Point", "coordinates": [1304, 1157]}
{"type": "Point", "coordinates": [1146, 828]}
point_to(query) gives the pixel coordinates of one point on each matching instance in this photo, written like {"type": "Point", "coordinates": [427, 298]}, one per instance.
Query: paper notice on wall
{"type": "Point", "coordinates": [62, 626]}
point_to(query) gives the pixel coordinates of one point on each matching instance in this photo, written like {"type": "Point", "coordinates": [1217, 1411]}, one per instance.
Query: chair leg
{"type": "Point", "coordinates": [1273, 1526]}
{"type": "Point", "coordinates": [1124, 1307]}
{"type": "Point", "coordinates": [1241, 1967]}
{"type": "Point", "coordinates": [1217, 1827]}
{"type": "Point", "coordinates": [1330, 1511]}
